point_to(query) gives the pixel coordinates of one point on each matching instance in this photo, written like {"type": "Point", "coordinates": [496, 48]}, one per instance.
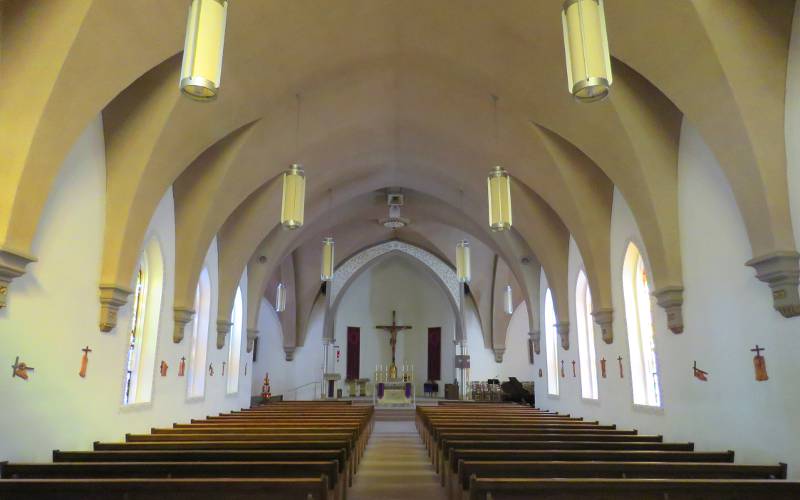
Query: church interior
{"type": "Point", "coordinates": [378, 249]}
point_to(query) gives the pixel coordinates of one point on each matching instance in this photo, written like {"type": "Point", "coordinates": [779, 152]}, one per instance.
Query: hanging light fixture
{"type": "Point", "coordinates": [327, 259]}
{"type": "Point", "coordinates": [294, 186]}
{"type": "Point", "coordinates": [294, 194]}
{"type": "Point", "coordinates": [499, 185]}
{"type": "Point", "coordinates": [463, 271]}
{"type": "Point", "coordinates": [508, 300]}
{"type": "Point", "coordinates": [328, 245]}
{"type": "Point", "coordinates": [280, 298]}
{"type": "Point", "coordinates": [586, 48]}
{"type": "Point", "coordinates": [201, 70]}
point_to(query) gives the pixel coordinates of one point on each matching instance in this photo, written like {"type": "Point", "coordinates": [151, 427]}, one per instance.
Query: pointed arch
{"type": "Point", "coordinates": [645, 380]}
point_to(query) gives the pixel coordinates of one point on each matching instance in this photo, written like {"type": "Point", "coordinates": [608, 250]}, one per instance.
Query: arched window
{"type": "Point", "coordinates": [552, 344]}
{"type": "Point", "coordinates": [641, 341]}
{"type": "Point", "coordinates": [196, 381]}
{"type": "Point", "coordinates": [583, 311]}
{"type": "Point", "coordinates": [235, 346]}
{"type": "Point", "coordinates": [143, 332]}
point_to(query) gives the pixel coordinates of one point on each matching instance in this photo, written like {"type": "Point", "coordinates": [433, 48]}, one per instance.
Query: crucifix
{"type": "Point", "coordinates": [621, 373]}
{"type": "Point", "coordinates": [182, 367]}
{"type": "Point", "coordinates": [84, 361]}
{"type": "Point", "coordinates": [393, 329]}
{"type": "Point", "coordinates": [760, 364]}
{"type": "Point", "coordinates": [223, 368]}
{"type": "Point", "coordinates": [700, 374]}
{"type": "Point", "coordinates": [20, 369]}
{"type": "Point", "coordinates": [603, 367]}
{"type": "Point", "coordinates": [573, 369]}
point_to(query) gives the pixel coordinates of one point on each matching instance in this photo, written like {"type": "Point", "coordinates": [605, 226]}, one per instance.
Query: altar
{"type": "Point", "coordinates": [394, 392]}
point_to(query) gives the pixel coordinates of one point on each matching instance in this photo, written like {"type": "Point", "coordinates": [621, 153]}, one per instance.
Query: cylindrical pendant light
{"type": "Point", "coordinates": [586, 47]}
{"type": "Point", "coordinates": [327, 259]}
{"type": "Point", "coordinates": [201, 70]}
{"type": "Point", "coordinates": [499, 199]}
{"type": "Point", "coordinates": [508, 300]}
{"type": "Point", "coordinates": [294, 197]}
{"type": "Point", "coordinates": [280, 298]}
{"type": "Point", "coordinates": [463, 271]}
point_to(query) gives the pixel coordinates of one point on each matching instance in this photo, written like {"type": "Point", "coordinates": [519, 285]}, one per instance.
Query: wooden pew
{"type": "Point", "coordinates": [640, 470]}
{"type": "Point", "coordinates": [174, 489]}
{"type": "Point", "coordinates": [120, 470]}
{"type": "Point", "coordinates": [215, 446]}
{"type": "Point", "coordinates": [632, 489]}
{"type": "Point", "coordinates": [556, 445]}
{"type": "Point", "coordinates": [445, 437]}
{"type": "Point", "coordinates": [432, 442]}
{"type": "Point", "coordinates": [456, 454]}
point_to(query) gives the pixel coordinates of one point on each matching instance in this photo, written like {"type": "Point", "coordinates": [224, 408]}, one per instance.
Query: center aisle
{"type": "Point", "coordinates": [395, 465]}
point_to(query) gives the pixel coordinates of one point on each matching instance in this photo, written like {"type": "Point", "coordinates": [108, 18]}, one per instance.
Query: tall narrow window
{"type": "Point", "coordinates": [136, 328]}
{"type": "Point", "coordinates": [235, 346]}
{"type": "Point", "coordinates": [583, 311]}
{"type": "Point", "coordinates": [143, 334]}
{"type": "Point", "coordinates": [196, 381]}
{"type": "Point", "coordinates": [552, 344]}
{"type": "Point", "coordinates": [641, 341]}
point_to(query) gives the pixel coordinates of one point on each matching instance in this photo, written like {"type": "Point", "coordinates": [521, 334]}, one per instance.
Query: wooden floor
{"type": "Point", "coordinates": [396, 465]}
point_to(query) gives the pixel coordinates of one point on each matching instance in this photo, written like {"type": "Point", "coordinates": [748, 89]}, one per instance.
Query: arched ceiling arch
{"type": "Point", "coordinates": [275, 243]}
{"type": "Point", "coordinates": [701, 61]}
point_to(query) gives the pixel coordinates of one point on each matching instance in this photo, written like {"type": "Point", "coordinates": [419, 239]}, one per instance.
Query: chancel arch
{"type": "Point", "coordinates": [279, 243]}
{"type": "Point", "coordinates": [443, 273]}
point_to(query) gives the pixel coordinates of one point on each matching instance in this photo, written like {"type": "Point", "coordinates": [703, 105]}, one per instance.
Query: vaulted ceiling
{"type": "Point", "coordinates": [395, 94]}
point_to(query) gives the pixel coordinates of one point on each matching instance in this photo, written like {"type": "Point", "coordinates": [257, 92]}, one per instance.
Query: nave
{"type": "Point", "coordinates": [337, 451]}
{"type": "Point", "coordinates": [208, 202]}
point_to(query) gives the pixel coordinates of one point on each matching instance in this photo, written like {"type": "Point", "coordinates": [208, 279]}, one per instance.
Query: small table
{"type": "Point", "coordinates": [362, 387]}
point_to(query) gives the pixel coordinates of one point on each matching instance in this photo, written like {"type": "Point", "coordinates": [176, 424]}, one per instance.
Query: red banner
{"type": "Point", "coordinates": [353, 352]}
{"type": "Point", "coordinates": [435, 353]}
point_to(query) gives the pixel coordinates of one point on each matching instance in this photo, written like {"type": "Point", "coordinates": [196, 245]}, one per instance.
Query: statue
{"type": "Point", "coordinates": [393, 329]}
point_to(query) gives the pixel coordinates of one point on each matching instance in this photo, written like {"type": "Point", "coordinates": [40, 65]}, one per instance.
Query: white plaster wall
{"type": "Point", "coordinates": [515, 361]}
{"type": "Point", "coordinates": [54, 311]}
{"type": "Point", "coordinates": [481, 358]}
{"type": "Point", "coordinates": [307, 366]}
{"type": "Point", "coordinates": [726, 312]}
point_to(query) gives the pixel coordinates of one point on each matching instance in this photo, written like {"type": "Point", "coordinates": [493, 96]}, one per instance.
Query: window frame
{"type": "Point", "coordinates": [646, 389]}
{"type": "Point", "coordinates": [198, 354]}
{"type": "Point", "coordinates": [235, 344]}
{"type": "Point", "coordinates": [587, 350]}
{"type": "Point", "coordinates": [551, 344]}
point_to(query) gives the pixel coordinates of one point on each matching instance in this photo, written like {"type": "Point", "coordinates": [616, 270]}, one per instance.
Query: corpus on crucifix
{"type": "Point", "coordinates": [393, 329]}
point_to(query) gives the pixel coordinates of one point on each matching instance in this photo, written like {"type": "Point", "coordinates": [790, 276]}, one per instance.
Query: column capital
{"type": "Point", "coordinates": [12, 265]}
{"type": "Point", "coordinates": [112, 297]}
{"type": "Point", "coordinates": [780, 270]}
